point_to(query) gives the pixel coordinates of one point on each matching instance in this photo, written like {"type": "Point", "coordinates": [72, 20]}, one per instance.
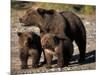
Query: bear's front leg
{"type": "Point", "coordinates": [23, 58]}
{"type": "Point", "coordinates": [59, 53]}
{"type": "Point", "coordinates": [49, 56]}
{"type": "Point", "coordinates": [35, 57]}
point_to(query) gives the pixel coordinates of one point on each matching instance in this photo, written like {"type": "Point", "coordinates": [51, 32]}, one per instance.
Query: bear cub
{"type": "Point", "coordinates": [29, 45]}
{"type": "Point", "coordinates": [61, 47]}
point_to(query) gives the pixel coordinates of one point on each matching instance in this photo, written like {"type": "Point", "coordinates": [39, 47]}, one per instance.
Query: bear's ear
{"type": "Point", "coordinates": [41, 11]}
{"type": "Point", "coordinates": [51, 11]}
{"type": "Point", "coordinates": [19, 34]}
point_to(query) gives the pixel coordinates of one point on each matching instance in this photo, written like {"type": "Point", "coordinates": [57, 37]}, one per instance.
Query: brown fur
{"type": "Point", "coordinates": [29, 45]}
{"type": "Point", "coordinates": [63, 49]}
{"type": "Point", "coordinates": [64, 23]}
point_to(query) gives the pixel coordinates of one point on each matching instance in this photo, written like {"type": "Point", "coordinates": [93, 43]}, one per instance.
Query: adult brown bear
{"type": "Point", "coordinates": [64, 23]}
{"type": "Point", "coordinates": [29, 45]}
{"type": "Point", "coordinates": [62, 48]}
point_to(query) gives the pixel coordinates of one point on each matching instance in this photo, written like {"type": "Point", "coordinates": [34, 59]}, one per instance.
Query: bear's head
{"type": "Point", "coordinates": [28, 39]}
{"type": "Point", "coordinates": [35, 17]}
{"type": "Point", "coordinates": [49, 41]}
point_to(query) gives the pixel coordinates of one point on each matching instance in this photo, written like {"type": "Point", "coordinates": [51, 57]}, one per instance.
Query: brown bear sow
{"type": "Point", "coordinates": [29, 45]}
{"type": "Point", "coordinates": [62, 48]}
{"type": "Point", "coordinates": [66, 23]}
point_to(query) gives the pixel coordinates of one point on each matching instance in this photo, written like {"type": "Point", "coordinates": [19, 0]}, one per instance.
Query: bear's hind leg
{"type": "Point", "coordinates": [81, 42]}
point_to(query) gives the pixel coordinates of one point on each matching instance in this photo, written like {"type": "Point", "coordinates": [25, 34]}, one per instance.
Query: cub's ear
{"type": "Point", "coordinates": [41, 11]}
{"type": "Point", "coordinates": [51, 11]}
{"type": "Point", "coordinates": [19, 34]}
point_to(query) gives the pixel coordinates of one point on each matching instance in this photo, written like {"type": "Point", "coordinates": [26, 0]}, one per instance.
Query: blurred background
{"type": "Point", "coordinates": [81, 9]}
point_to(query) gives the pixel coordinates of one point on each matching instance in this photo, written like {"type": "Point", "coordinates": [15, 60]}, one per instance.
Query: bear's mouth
{"type": "Point", "coordinates": [26, 25]}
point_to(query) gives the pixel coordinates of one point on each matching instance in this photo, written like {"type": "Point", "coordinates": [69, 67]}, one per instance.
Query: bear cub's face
{"type": "Point", "coordinates": [49, 41]}
{"type": "Point", "coordinates": [27, 39]}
